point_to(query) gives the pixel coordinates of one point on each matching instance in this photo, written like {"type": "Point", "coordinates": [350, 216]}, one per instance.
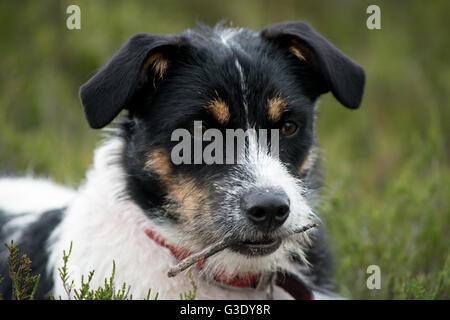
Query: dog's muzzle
{"type": "Point", "coordinates": [266, 210]}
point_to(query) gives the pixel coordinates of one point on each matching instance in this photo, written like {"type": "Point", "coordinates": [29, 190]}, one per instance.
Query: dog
{"type": "Point", "coordinates": [145, 213]}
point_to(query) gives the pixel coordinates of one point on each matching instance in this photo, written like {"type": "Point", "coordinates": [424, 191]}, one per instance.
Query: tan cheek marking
{"type": "Point", "coordinates": [300, 50]}
{"type": "Point", "coordinates": [304, 165]}
{"type": "Point", "coordinates": [158, 162]}
{"type": "Point", "coordinates": [191, 200]}
{"type": "Point", "coordinates": [159, 64]}
{"type": "Point", "coordinates": [308, 162]}
{"type": "Point", "coordinates": [219, 109]}
{"type": "Point", "coordinates": [275, 108]}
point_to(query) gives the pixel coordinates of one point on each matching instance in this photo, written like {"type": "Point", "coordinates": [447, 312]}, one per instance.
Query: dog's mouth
{"type": "Point", "coordinates": [249, 248]}
{"type": "Point", "coordinates": [256, 248]}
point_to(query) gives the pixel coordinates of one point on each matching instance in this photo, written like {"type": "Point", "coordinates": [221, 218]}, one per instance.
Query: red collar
{"type": "Point", "coordinates": [293, 285]}
{"type": "Point", "coordinates": [241, 280]}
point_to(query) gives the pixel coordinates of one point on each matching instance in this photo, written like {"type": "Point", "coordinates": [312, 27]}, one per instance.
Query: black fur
{"type": "Point", "coordinates": [114, 86]}
{"type": "Point", "coordinates": [108, 92]}
{"type": "Point", "coordinates": [200, 69]}
{"type": "Point", "coordinates": [344, 78]}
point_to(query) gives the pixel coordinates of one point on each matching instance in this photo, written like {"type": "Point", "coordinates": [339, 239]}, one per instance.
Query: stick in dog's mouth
{"type": "Point", "coordinates": [215, 248]}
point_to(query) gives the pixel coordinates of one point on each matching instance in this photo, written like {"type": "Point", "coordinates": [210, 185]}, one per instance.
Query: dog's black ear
{"type": "Point", "coordinates": [113, 87]}
{"type": "Point", "coordinates": [344, 78]}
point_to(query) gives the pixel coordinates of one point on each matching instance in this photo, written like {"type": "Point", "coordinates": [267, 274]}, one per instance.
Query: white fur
{"type": "Point", "coordinates": [268, 173]}
{"type": "Point", "coordinates": [25, 199]}
{"type": "Point", "coordinates": [271, 173]}
{"type": "Point", "coordinates": [243, 89]}
{"type": "Point", "coordinates": [227, 34]}
{"type": "Point", "coordinates": [24, 195]}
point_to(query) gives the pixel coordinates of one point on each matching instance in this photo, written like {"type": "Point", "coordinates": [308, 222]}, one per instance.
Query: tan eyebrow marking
{"type": "Point", "coordinates": [275, 108]}
{"type": "Point", "coordinates": [220, 110]}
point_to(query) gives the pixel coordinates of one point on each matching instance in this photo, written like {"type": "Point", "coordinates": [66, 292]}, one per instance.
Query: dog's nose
{"type": "Point", "coordinates": [267, 209]}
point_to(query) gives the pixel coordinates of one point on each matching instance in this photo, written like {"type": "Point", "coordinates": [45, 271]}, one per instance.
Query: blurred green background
{"type": "Point", "coordinates": [387, 165]}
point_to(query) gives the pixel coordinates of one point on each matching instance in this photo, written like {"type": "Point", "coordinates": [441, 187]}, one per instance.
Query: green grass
{"type": "Point", "coordinates": [387, 165]}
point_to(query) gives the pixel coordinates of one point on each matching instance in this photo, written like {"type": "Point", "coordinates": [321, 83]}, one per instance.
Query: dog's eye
{"type": "Point", "coordinates": [288, 128]}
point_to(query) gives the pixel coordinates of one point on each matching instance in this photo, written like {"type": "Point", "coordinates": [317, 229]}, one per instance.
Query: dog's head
{"type": "Point", "coordinates": [186, 96]}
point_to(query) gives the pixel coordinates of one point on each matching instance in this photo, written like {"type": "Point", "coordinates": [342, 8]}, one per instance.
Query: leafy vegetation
{"type": "Point", "coordinates": [85, 292]}
{"type": "Point", "coordinates": [25, 285]}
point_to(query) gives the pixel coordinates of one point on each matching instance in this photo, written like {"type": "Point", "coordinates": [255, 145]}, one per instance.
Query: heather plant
{"type": "Point", "coordinates": [24, 284]}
